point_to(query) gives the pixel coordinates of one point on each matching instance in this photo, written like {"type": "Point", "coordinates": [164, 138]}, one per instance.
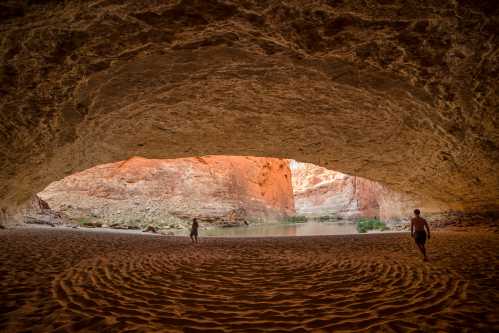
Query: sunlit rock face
{"type": "Point", "coordinates": [401, 92]}
{"type": "Point", "coordinates": [319, 192]}
{"type": "Point", "coordinates": [216, 189]}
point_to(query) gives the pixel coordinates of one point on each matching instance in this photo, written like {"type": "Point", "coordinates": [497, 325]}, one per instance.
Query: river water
{"type": "Point", "coordinates": [310, 228]}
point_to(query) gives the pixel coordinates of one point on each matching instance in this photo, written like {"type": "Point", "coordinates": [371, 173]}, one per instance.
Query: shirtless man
{"type": "Point", "coordinates": [418, 225]}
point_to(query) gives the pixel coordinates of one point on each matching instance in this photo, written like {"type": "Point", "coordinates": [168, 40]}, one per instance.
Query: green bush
{"type": "Point", "coordinates": [83, 220]}
{"type": "Point", "coordinates": [296, 219]}
{"type": "Point", "coordinates": [364, 225]}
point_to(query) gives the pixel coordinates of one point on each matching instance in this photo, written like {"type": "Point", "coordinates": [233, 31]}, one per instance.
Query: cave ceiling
{"type": "Point", "coordinates": [401, 92]}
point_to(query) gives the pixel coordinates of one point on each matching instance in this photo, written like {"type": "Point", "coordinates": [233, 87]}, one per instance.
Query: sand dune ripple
{"type": "Point", "coordinates": [335, 283]}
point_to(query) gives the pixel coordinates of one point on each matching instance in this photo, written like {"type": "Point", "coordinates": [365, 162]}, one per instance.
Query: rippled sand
{"type": "Point", "coordinates": [82, 281]}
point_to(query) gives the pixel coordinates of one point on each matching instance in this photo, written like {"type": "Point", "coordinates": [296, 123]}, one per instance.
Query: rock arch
{"type": "Point", "coordinates": [399, 92]}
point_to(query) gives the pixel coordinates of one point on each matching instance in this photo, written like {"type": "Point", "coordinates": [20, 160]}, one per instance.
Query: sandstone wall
{"type": "Point", "coordinates": [322, 192]}
{"type": "Point", "coordinates": [214, 188]}
{"type": "Point", "coordinates": [400, 92]}
{"type": "Point", "coordinates": [38, 211]}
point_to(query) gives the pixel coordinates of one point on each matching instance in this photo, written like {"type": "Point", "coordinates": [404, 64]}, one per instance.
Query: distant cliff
{"type": "Point", "coordinates": [322, 192]}
{"type": "Point", "coordinates": [216, 189]}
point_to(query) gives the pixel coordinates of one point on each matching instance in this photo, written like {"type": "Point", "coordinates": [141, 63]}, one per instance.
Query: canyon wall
{"type": "Point", "coordinates": [216, 189]}
{"type": "Point", "coordinates": [400, 92]}
{"type": "Point", "coordinates": [38, 211]}
{"type": "Point", "coordinates": [322, 192]}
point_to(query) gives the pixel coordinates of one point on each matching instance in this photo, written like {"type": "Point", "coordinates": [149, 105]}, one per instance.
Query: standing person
{"type": "Point", "coordinates": [194, 230]}
{"type": "Point", "coordinates": [418, 225]}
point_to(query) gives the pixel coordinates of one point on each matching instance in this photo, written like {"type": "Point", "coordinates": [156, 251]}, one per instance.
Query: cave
{"type": "Point", "coordinates": [219, 191]}
{"type": "Point", "coordinates": [403, 93]}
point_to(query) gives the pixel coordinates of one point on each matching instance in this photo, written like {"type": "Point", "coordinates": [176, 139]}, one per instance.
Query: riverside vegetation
{"type": "Point", "coordinates": [366, 224]}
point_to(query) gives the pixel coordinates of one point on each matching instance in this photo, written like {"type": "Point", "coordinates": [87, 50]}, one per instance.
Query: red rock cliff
{"type": "Point", "coordinates": [214, 188]}
{"type": "Point", "coordinates": [322, 192]}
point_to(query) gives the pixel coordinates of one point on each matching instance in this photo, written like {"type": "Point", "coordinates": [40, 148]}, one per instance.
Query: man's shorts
{"type": "Point", "coordinates": [420, 237]}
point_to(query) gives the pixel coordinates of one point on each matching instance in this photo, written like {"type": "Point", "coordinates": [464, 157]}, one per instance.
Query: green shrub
{"type": "Point", "coordinates": [364, 225]}
{"type": "Point", "coordinates": [328, 218]}
{"type": "Point", "coordinates": [83, 220]}
{"type": "Point", "coordinates": [296, 219]}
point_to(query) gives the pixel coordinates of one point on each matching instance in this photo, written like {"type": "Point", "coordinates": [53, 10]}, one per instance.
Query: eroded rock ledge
{"type": "Point", "coordinates": [400, 92]}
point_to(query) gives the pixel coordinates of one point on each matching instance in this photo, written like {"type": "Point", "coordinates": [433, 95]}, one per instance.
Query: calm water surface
{"type": "Point", "coordinates": [309, 228]}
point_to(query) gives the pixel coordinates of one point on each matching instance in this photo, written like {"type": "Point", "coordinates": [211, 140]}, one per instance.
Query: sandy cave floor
{"type": "Point", "coordinates": [76, 281]}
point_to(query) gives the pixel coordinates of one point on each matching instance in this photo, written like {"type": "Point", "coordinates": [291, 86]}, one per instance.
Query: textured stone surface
{"type": "Point", "coordinates": [213, 188]}
{"type": "Point", "coordinates": [322, 192]}
{"type": "Point", "coordinates": [401, 92]}
{"type": "Point", "coordinates": [38, 211]}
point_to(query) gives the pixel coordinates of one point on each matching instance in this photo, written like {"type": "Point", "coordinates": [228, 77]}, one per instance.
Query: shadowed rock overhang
{"type": "Point", "coordinates": [400, 92]}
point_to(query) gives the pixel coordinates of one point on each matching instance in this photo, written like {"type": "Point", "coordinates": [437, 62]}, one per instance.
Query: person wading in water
{"type": "Point", "coordinates": [418, 225]}
{"type": "Point", "coordinates": [194, 230]}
